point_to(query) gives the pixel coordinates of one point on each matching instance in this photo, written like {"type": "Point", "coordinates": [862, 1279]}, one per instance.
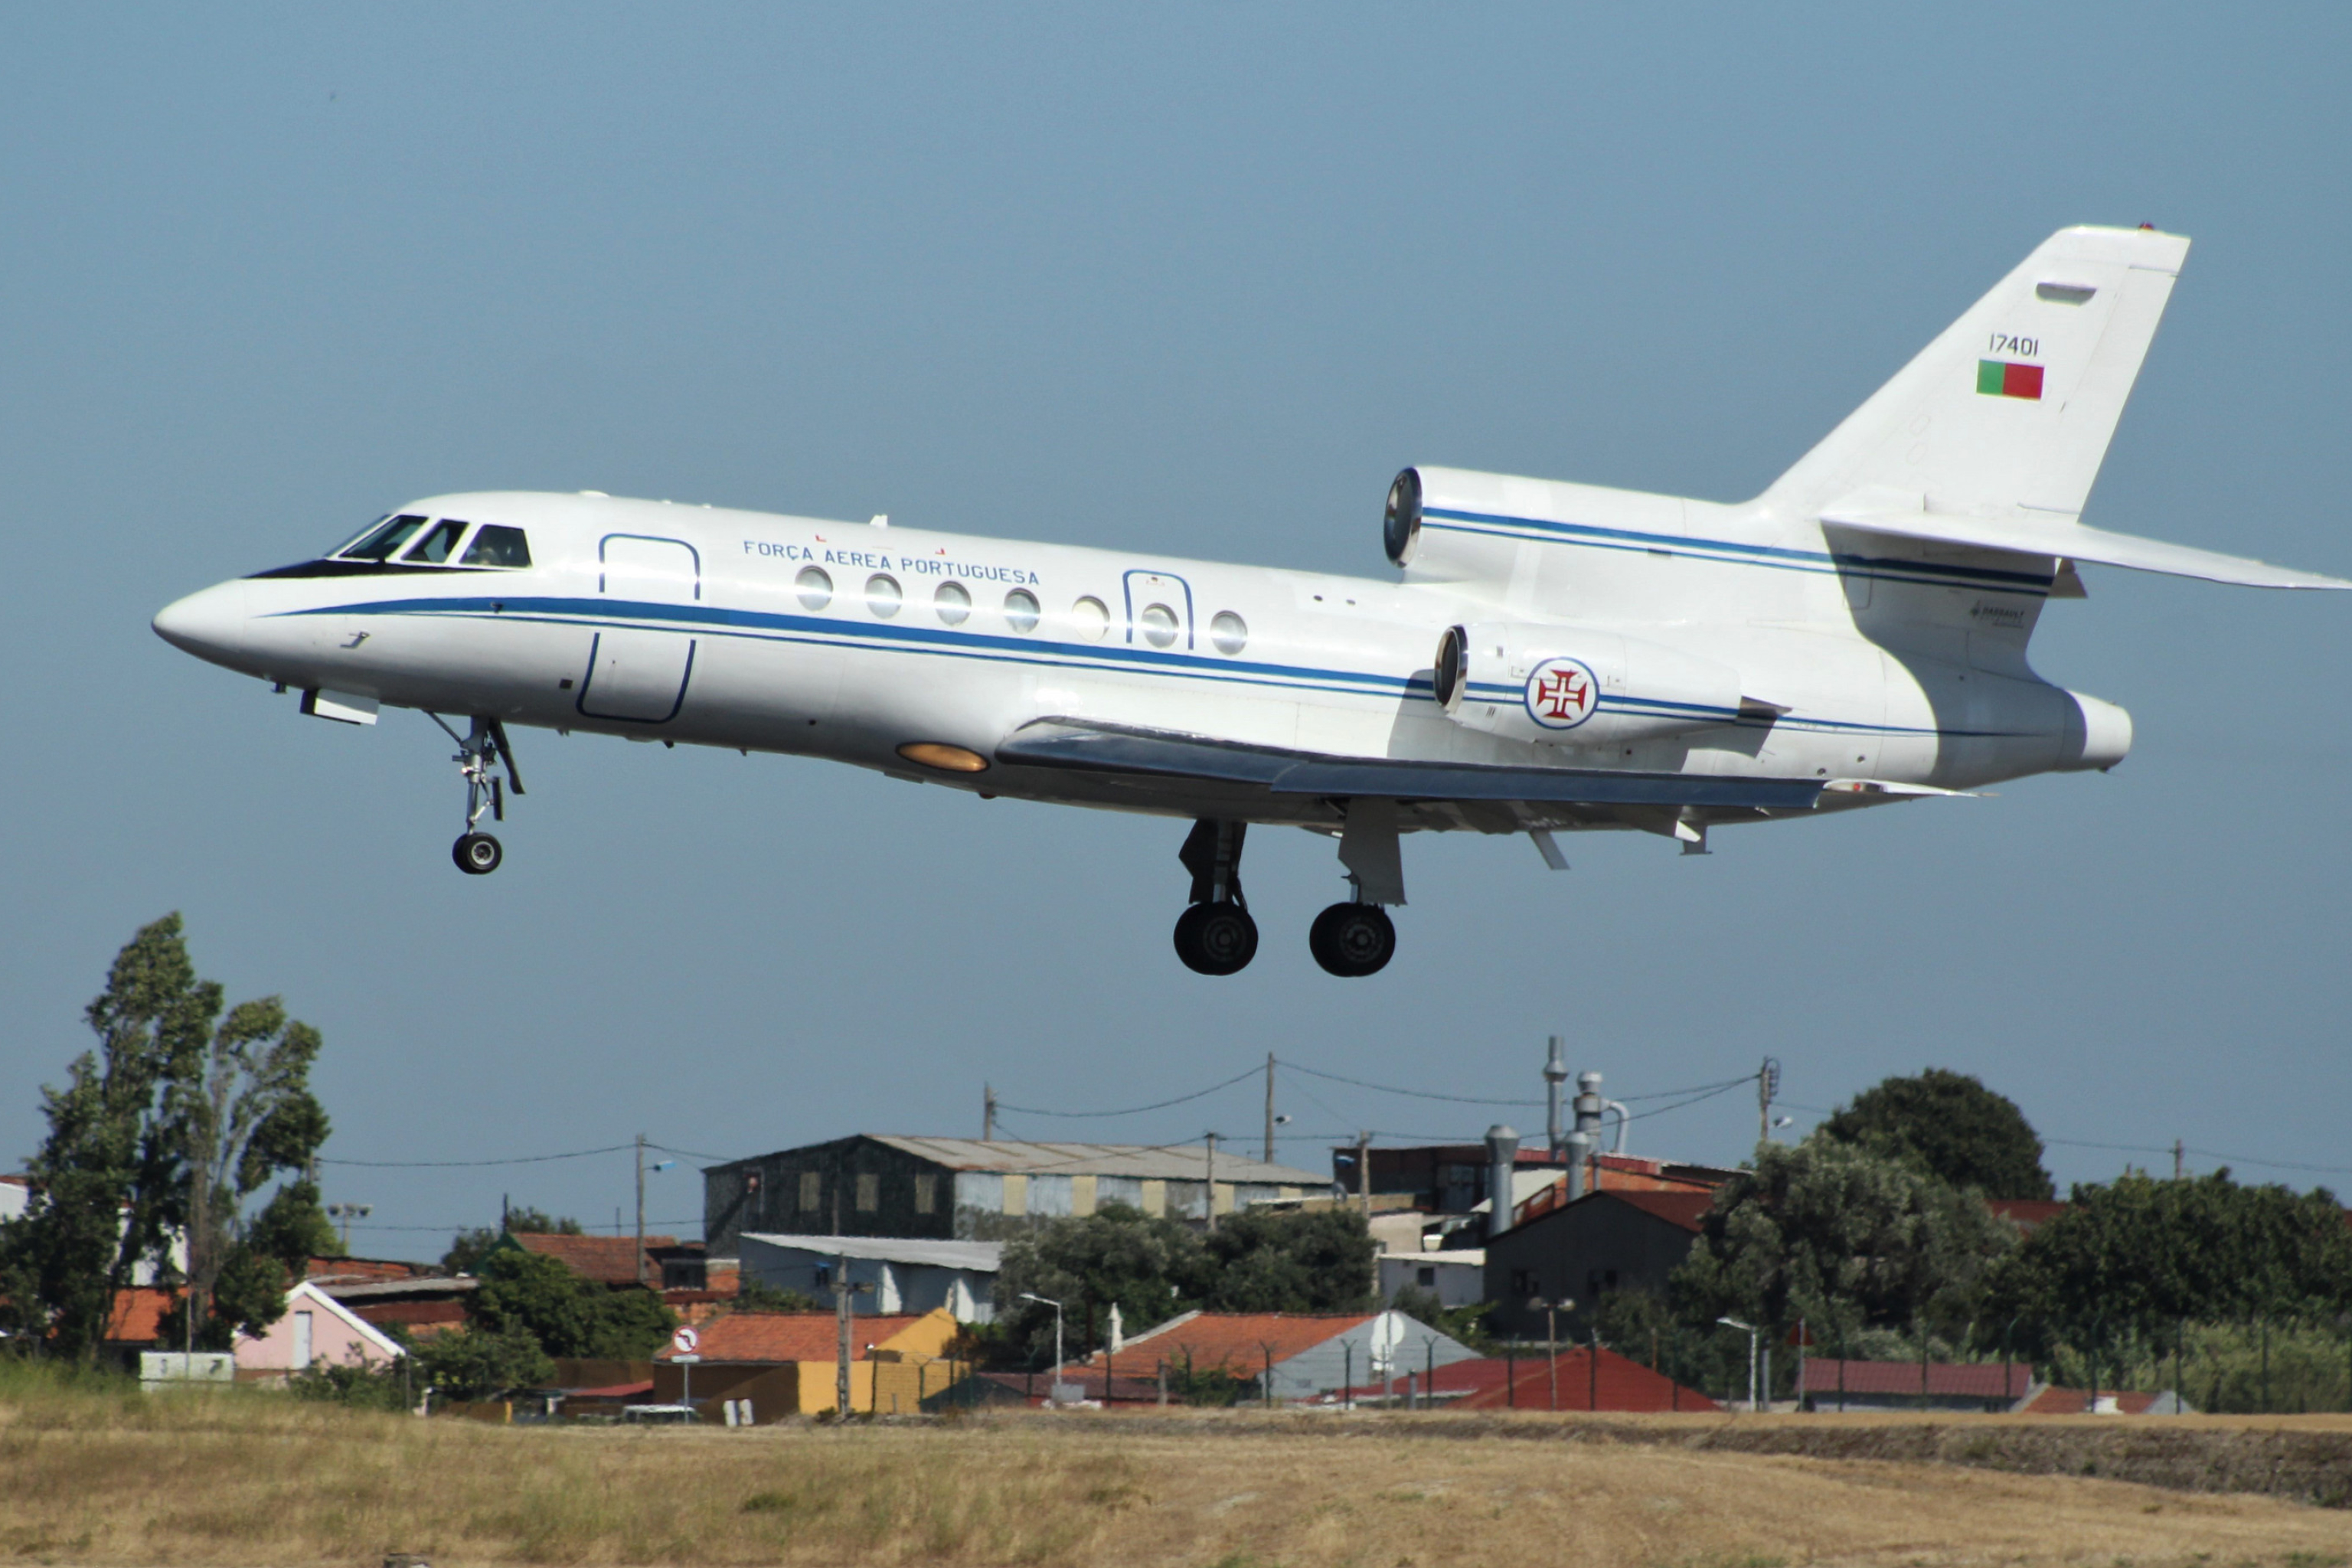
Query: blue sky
{"type": "Point", "coordinates": [1193, 279]}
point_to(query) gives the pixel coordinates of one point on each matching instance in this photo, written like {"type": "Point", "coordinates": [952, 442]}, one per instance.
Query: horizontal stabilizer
{"type": "Point", "coordinates": [1101, 748]}
{"type": "Point", "coordinates": [2073, 542]}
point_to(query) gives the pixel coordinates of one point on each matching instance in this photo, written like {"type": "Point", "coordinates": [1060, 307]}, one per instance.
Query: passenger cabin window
{"type": "Point", "coordinates": [498, 546]}
{"type": "Point", "coordinates": [440, 542]}
{"type": "Point", "coordinates": [379, 545]}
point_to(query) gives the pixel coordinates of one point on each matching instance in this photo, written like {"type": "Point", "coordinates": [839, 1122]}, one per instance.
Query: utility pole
{"type": "Point", "coordinates": [1768, 1084]}
{"type": "Point", "coordinates": [2178, 1164]}
{"type": "Point", "coordinates": [1364, 1173]}
{"type": "Point", "coordinates": [641, 1208]}
{"type": "Point", "coordinates": [1210, 1202]}
{"type": "Point", "coordinates": [841, 1294]}
{"type": "Point", "coordinates": [1269, 1107]}
{"type": "Point", "coordinates": [987, 1113]}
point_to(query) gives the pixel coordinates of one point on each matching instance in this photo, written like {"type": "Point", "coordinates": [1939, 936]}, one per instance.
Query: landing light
{"type": "Point", "coordinates": [953, 759]}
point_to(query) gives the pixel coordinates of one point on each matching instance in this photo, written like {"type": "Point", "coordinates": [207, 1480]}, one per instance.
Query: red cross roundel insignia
{"type": "Point", "coordinates": [1563, 694]}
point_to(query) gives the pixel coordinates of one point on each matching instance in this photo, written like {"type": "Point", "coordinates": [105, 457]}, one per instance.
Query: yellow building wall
{"type": "Point", "coordinates": [1016, 1193]}
{"type": "Point", "coordinates": [1082, 1196]}
{"type": "Point", "coordinates": [1155, 1198]}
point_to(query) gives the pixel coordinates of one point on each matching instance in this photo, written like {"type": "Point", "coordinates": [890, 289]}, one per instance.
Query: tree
{"type": "Point", "coordinates": [564, 1314]}
{"type": "Point", "coordinates": [2139, 1254]}
{"type": "Point", "coordinates": [481, 1362]}
{"type": "Point", "coordinates": [1316, 1261]}
{"type": "Point", "coordinates": [467, 1249]}
{"type": "Point", "coordinates": [1843, 1237]}
{"type": "Point", "coordinates": [1116, 1256]}
{"type": "Point", "coordinates": [1952, 1127]}
{"type": "Point", "coordinates": [1153, 1269]}
{"type": "Point", "coordinates": [244, 1113]}
{"type": "Point", "coordinates": [169, 1127]}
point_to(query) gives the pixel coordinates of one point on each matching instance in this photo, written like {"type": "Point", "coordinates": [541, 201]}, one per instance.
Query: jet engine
{"type": "Point", "coordinates": [1577, 686]}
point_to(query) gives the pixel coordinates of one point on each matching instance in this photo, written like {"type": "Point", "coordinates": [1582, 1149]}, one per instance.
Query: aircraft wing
{"type": "Point", "coordinates": [2073, 542]}
{"type": "Point", "coordinates": [1110, 749]}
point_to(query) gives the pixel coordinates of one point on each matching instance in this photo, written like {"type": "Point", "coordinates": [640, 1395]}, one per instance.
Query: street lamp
{"type": "Point", "coordinates": [348, 1213]}
{"type": "Point", "coordinates": [1751, 1331]}
{"type": "Point", "coordinates": [1028, 1296]}
{"type": "Point", "coordinates": [1551, 1308]}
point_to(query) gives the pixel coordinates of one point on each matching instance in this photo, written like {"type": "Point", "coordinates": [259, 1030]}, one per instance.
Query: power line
{"type": "Point", "coordinates": [1136, 1109]}
{"type": "Point", "coordinates": [445, 1164]}
{"type": "Point", "coordinates": [1408, 1093]}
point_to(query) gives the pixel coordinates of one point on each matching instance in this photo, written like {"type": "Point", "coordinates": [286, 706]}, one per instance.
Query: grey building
{"type": "Point", "coordinates": [1604, 1241]}
{"type": "Point", "coordinates": [906, 1276]}
{"type": "Point", "coordinates": [964, 1189]}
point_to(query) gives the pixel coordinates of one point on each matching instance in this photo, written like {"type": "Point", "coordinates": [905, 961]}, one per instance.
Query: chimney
{"type": "Point", "coordinates": [1502, 1159]}
{"type": "Point", "coordinates": [1555, 1076]}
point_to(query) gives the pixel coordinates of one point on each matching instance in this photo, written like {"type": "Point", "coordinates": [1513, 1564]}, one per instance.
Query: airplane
{"type": "Point", "coordinates": [1547, 656]}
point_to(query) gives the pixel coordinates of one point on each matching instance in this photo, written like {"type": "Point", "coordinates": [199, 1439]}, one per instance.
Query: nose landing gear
{"type": "Point", "coordinates": [1216, 934]}
{"type": "Point", "coordinates": [481, 752]}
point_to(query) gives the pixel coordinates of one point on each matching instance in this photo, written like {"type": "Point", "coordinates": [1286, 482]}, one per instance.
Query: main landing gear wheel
{"type": "Point", "coordinates": [477, 854]}
{"type": "Point", "coordinates": [1353, 939]}
{"type": "Point", "coordinates": [1216, 938]}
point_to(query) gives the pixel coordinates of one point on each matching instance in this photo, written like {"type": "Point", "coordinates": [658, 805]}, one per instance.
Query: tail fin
{"type": "Point", "coordinates": [2008, 414]}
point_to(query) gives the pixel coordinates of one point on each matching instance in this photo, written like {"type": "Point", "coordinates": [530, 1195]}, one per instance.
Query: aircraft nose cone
{"type": "Point", "coordinates": [207, 623]}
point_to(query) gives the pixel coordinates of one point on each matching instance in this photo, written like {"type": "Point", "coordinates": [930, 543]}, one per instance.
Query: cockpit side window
{"type": "Point", "coordinates": [379, 545]}
{"type": "Point", "coordinates": [498, 546]}
{"type": "Point", "coordinates": [440, 542]}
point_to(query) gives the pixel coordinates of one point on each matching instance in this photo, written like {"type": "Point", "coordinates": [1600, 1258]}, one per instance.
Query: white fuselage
{"type": "Point", "coordinates": [704, 626]}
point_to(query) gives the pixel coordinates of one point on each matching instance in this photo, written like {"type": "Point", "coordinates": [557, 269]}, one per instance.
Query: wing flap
{"type": "Point", "coordinates": [1063, 743]}
{"type": "Point", "coordinates": [2073, 542]}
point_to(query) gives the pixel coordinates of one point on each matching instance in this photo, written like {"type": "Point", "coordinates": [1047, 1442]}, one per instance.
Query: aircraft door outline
{"type": "Point", "coordinates": [639, 675]}
{"type": "Point", "coordinates": [1154, 590]}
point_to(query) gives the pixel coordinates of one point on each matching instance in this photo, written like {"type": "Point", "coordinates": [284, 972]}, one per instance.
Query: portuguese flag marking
{"type": "Point", "coordinates": [1998, 380]}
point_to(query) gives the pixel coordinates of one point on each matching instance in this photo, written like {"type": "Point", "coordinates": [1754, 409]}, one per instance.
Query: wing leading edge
{"type": "Point", "coordinates": [1109, 749]}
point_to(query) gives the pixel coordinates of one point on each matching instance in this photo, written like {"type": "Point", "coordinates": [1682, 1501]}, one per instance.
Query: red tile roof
{"type": "Point", "coordinates": [355, 1270]}
{"type": "Point", "coordinates": [2026, 1212]}
{"type": "Point", "coordinates": [1970, 1380]}
{"type": "Point", "coordinates": [1527, 1382]}
{"type": "Point", "coordinates": [2077, 1402]}
{"type": "Point", "coordinates": [138, 1315]}
{"type": "Point", "coordinates": [607, 1259]}
{"type": "Point", "coordinates": [790, 1336]}
{"type": "Point", "coordinates": [1238, 1342]}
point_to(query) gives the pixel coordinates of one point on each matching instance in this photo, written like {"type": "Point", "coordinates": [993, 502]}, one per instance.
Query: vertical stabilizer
{"type": "Point", "coordinates": [2008, 414]}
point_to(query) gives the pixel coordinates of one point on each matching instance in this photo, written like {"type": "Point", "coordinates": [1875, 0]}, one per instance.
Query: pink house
{"type": "Point", "coordinates": [315, 1328]}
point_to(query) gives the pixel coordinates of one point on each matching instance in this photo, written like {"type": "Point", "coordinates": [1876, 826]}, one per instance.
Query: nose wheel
{"type": "Point", "coordinates": [1353, 939]}
{"type": "Point", "coordinates": [482, 751]}
{"type": "Point", "coordinates": [477, 854]}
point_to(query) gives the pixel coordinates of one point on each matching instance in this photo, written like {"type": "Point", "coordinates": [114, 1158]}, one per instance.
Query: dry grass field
{"type": "Point", "coordinates": [253, 1479]}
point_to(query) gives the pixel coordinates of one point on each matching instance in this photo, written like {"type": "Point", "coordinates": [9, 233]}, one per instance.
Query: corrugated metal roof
{"type": "Point", "coordinates": [979, 1256]}
{"type": "Point", "coordinates": [1181, 1162]}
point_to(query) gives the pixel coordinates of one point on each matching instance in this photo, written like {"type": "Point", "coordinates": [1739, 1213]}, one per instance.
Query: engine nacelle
{"type": "Point", "coordinates": [1576, 686]}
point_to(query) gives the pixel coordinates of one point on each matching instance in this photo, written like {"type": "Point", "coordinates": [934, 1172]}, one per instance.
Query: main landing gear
{"type": "Point", "coordinates": [1216, 935]}
{"type": "Point", "coordinates": [481, 752]}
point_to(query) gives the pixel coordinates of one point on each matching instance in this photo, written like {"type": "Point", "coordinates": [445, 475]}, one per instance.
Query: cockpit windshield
{"type": "Point", "coordinates": [380, 544]}
{"type": "Point", "coordinates": [363, 533]}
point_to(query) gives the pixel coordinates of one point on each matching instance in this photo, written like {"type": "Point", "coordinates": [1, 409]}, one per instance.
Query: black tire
{"type": "Point", "coordinates": [1216, 938]}
{"type": "Point", "coordinates": [477, 854]}
{"type": "Point", "coordinates": [1353, 939]}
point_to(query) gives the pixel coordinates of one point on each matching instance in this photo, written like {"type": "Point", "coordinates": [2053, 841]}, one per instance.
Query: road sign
{"type": "Point", "coordinates": [685, 1340]}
